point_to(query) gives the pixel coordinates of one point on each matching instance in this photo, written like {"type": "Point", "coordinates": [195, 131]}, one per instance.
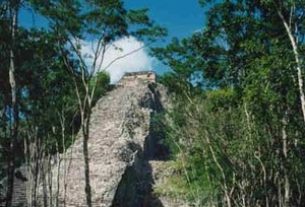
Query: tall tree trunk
{"type": "Point", "coordinates": [293, 43]}
{"type": "Point", "coordinates": [14, 7]}
{"type": "Point", "coordinates": [285, 154]}
{"type": "Point", "coordinates": [86, 131]}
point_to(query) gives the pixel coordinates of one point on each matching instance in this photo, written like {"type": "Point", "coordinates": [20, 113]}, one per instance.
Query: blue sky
{"type": "Point", "coordinates": [180, 17]}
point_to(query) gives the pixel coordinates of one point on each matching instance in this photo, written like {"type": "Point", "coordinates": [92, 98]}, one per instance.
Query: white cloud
{"type": "Point", "coordinates": [137, 61]}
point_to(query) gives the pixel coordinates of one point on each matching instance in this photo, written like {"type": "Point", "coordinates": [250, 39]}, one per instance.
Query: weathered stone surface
{"type": "Point", "coordinates": [119, 133]}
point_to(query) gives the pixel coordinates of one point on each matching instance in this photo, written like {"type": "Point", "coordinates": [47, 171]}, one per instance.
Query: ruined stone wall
{"type": "Point", "coordinates": [131, 79]}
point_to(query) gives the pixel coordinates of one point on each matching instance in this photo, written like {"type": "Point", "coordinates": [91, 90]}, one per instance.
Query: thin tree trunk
{"type": "Point", "coordinates": [14, 128]}
{"type": "Point", "coordinates": [63, 136]}
{"type": "Point", "coordinates": [58, 177]}
{"type": "Point", "coordinates": [50, 180]}
{"type": "Point", "coordinates": [44, 186]}
{"type": "Point", "coordinates": [285, 153]}
{"type": "Point", "coordinates": [37, 167]}
{"type": "Point", "coordinates": [86, 159]}
{"type": "Point", "coordinates": [225, 186]}
{"type": "Point", "coordinates": [297, 60]}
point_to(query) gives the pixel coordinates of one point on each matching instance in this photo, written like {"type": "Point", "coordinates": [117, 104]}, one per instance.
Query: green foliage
{"type": "Point", "coordinates": [221, 98]}
{"type": "Point", "coordinates": [241, 145]}
{"type": "Point", "coordinates": [101, 82]}
{"type": "Point", "coordinates": [238, 128]}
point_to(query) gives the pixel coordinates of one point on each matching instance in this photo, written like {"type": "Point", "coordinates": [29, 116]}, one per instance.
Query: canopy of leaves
{"type": "Point", "coordinates": [241, 119]}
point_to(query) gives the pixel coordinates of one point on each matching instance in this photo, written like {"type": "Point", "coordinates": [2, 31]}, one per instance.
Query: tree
{"type": "Point", "coordinates": [237, 123]}
{"type": "Point", "coordinates": [14, 118]}
{"type": "Point", "coordinates": [33, 61]}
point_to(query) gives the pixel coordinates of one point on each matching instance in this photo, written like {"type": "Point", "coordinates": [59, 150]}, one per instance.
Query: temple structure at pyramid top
{"type": "Point", "coordinates": [131, 78]}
